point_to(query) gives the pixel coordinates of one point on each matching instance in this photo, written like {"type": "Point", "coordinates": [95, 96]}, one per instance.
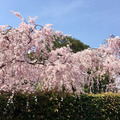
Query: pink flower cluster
{"type": "Point", "coordinates": [48, 68]}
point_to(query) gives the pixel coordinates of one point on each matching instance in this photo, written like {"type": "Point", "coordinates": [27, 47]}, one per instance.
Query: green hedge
{"type": "Point", "coordinates": [53, 105]}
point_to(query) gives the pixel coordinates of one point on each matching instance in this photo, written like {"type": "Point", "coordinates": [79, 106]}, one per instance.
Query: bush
{"type": "Point", "coordinates": [54, 105]}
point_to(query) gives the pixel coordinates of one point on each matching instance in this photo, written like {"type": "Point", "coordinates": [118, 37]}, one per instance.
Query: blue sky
{"type": "Point", "coordinates": [90, 21]}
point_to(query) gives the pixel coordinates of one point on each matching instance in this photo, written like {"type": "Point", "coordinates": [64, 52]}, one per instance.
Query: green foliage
{"type": "Point", "coordinates": [32, 56]}
{"type": "Point", "coordinates": [75, 45]}
{"type": "Point", "coordinates": [54, 105]}
{"type": "Point", "coordinates": [101, 86]}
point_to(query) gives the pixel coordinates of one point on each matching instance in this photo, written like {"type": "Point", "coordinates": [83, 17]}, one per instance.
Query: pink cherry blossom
{"type": "Point", "coordinates": [28, 61]}
{"type": "Point", "coordinates": [32, 20]}
{"type": "Point", "coordinates": [16, 13]}
{"type": "Point", "coordinates": [3, 27]}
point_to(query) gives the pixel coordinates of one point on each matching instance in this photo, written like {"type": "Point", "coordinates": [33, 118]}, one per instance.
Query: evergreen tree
{"type": "Point", "coordinates": [75, 44]}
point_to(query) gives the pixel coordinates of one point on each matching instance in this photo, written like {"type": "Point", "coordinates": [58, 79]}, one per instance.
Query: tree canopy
{"type": "Point", "coordinates": [75, 44]}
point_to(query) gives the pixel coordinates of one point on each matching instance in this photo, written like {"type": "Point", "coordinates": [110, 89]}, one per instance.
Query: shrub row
{"type": "Point", "coordinates": [53, 105]}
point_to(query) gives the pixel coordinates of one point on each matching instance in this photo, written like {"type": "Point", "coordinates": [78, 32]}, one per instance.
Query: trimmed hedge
{"type": "Point", "coordinates": [53, 105]}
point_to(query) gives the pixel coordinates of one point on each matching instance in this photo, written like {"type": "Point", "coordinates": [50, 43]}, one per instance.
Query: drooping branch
{"type": "Point", "coordinates": [3, 65]}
